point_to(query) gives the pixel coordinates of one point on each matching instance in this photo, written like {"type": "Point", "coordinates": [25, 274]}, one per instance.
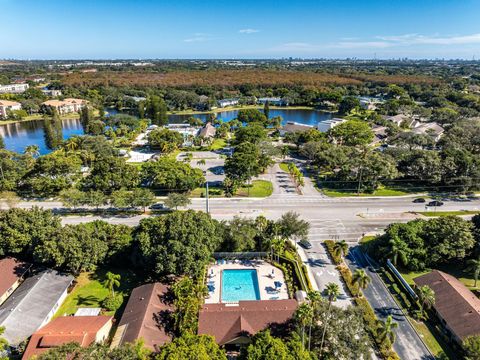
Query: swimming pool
{"type": "Point", "coordinates": [240, 284]}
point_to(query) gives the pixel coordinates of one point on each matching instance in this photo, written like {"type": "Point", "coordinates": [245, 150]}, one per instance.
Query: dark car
{"type": "Point", "coordinates": [305, 244]}
{"type": "Point", "coordinates": [419, 200]}
{"type": "Point", "coordinates": [158, 206]}
{"type": "Point", "coordinates": [435, 203]}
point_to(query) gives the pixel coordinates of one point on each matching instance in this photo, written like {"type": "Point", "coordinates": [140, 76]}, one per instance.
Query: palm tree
{"type": "Point", "coordinates": [32, 150]}
{"type": "Point", "coordinates": [398, 249]}
{"type": "Point", "coordinates": [314, 297]}
{"type": "Point", "coordinates": [332, 291]}
{"type": "Point", "coordinates": [340, 248]}
{"type": "Point", "coordinates": [361, 279]}
{"type": "Point", "coordinates": [278, 245]}
{"type": "Point", "coordinates": [201, 162]}
{"type": "Point", "coordinates": [304, 316]}
{"type": "Point", "coordinates": [112, 280]}
{"type": "Point", "coordinates": [73, 143]}
{"type": "Point", "coordinates": [426, 296]}
{"type": "Point", "coordinates": [474, 267]}
{"type": "Point", "coordinates": [385, 329]}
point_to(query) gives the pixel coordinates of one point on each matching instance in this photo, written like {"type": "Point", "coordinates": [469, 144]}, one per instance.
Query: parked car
{"type": "Point", "coordinates": [419, 200]}
{"type": "Point", "coordinates": [158, 206]}
{"type": "Point", "coordinates": [435, 203]}
{"type": "Point", "coordinates": [305, 244]}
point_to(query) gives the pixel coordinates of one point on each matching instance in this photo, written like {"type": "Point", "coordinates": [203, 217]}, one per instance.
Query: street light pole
{"type": "Point", "coordinates": [207, 205]}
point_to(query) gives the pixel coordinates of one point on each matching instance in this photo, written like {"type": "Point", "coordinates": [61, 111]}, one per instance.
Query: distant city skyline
{"type": "Point", "coordinates": [108, 29]}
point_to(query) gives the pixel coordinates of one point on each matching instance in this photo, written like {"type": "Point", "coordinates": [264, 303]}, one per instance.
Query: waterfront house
{"type": "Point", "coordinates": [84, 330]}
{"type": "Point", "coordinates": [455, 305]}
{"type": "Point", "coordinates": [228, 102]}
{"type": "Point", "coordinates": [293, 127]}
{"type": "Point", "coordinates": [144, 317]}
{"type": "Point", "coordinates": [66, 106]}
{"type": "Point", "coordinates": [276, 101]}
{"type": "Point", "coordinates": [324, 126]}
{"type": "Point", "coordinates": [7, 106]}
{"type": "Point", "coordinates": [12, 273]}
{"type": "Point", "coordinates": [33, 304]}
{"type": "Point", "coordinates": [208, 131]}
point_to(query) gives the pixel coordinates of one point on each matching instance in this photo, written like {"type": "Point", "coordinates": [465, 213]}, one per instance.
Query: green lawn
{"type": "Point", "coordinates": [435, 343]}
{"type": "Point", "coordinates": [258, 188]}
{"type": "Point", "coordinates": [346, 193]}
{"type": "Point", "coordinates": [447, 213]}
{"type": "Point", "coordinates": [90, 292]}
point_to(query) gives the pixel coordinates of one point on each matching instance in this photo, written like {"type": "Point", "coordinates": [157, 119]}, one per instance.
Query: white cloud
{"type": "Point", "coordinates": [248, 31]}
{"type": "Point", "coordinates": [198, 37]}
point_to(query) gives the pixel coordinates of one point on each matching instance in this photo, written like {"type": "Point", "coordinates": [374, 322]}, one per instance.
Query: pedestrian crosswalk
{"type": "Point", "coordinates": [334, 229]}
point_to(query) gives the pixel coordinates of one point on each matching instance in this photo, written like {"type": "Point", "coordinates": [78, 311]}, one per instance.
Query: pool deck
{"type": "Point", "coordinates": [265, 280]}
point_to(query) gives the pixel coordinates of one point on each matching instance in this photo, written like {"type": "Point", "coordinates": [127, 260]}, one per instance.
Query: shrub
{"type": "Point", "coordinates": [330, 244]}
{"type": "Point", "coordinates": [112, 303]}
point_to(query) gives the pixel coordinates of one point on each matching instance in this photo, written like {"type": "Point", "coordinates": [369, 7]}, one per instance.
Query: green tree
{"type": "Point", "coordinates": [252, 116]}
{"type": "Point", "coordinates": [111, 281]}
{"type": "Point", "coordinates": [304, 316]}
{"type": "Point", "coordinates": [361, 279]}
{"type": "Point", "coordinates": [385, 329]}
{"type": "Point", "coordinates": [332, 291]}
{"type": "Point", "coordinates": [95, 199]}
{"type": "Point", "coordinates": [111, 173]}
{"type": "Point", "coordinates": [266, 109]}
{"type": "Point", "coordinates": [189, 295]}
{"type": "Point", "coordinates": [3, 343]}
{"type": "Point", "coordinates": [253, 133]}
{"type": "Point", "coordinates": [165, 140]}
{"type": "Point", "coordinates": [291, 227]}
{"type": "Point", "coordinates": [348, 104]}
{"type": "Point", "coordinates": [156, 110]}
{"type": "Point", "coordinates": [474, 268]}
{"type": "Point", "coordinates": [199, 347]}
{"type": "Point", "coordinates": [181, 242]}
{"type": "Point", "coordinates": [340, 248]}
{"type": "Point", "coordinates": [174, 200]}
{"type": "Point", "coordinates": [426, 297]}
{"type": "Point", "coordinates": [471, 344]}
{"type": "Point", "coordinates": [121, 198]}
{"type": "Point", "coordinates": [72, 197]}
{"type": "Point", "coordinates": [143, 198]}
{"type": "Point", "coordinates": [243, 164]}
{"type": "Point", "coordinates": [239, 235]}
{"type": "Point", "coordinates": [352, 133]}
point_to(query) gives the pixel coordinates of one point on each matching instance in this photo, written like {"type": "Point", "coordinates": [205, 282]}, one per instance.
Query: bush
{"type": "Point", "coordinates": [330, 244]}
{"type": "Point", "coordinates": [112, 303]}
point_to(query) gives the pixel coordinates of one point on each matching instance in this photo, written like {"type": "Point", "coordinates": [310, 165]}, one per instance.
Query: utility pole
{"type": "Point", "coordinates": [207, 205]}
{"type": "Point", "coordinates": [360, 181]}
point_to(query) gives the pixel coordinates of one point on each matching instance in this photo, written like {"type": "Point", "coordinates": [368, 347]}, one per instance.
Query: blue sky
{"type": "Point", "coordinates": [76, 29]}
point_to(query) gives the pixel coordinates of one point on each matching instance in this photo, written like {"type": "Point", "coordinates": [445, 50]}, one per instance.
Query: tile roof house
{"type": "Point", "coordinates": [293, 127]}
{"type": "Point", "coordinates": [7, 105]}
{"type": "Point", "coordinates": [66, 106]}
{"type": "Point", "coordinates": [12, 272]}
{"type": "Point", "coordinates": [457, 307]}
{"type": "Point", "coordinates": [208, 131]}
{"type": "Point", "coordinates": [33, 304]}
{"type": "Point", "coordinates": [433, 129]}
{"type": "Point", "coordinates": [83, 330]}
{"type": "Point", "coordinates": [232, 325]}
{"type": "Point", "coordinates": [143, 317]}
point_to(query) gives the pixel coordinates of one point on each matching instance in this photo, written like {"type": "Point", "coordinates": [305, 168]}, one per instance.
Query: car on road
{"type": "Point", "coordinates": [158, 206]}
{"type": "Point", "coordinates": [435, 203]}
{"type": "Point", "coordinates": [419, 200]}
{"type": "Point", "coordinates": [305, 244]}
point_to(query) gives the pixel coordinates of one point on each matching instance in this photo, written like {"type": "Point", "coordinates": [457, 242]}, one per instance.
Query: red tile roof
{"type": "Point", "coordinates": [227, 322]}
{"type": "Point", "coordinates": [65, 329]}
{"type": "Point", "coordinates": [143, 314]}
{"type": "Point", "coordinates": [11, 270]}
{"type": "Point", "coordinates": [454, 302]}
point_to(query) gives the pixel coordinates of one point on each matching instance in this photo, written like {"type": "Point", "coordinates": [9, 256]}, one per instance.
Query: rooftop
{"type": "Point", "coordinates": [296, 127]}
{"type": "Point", "coordinates": [11, 271]}
{"type": "Point", "coordinates": [143, 315]}
{"type": "Point", "coordinates": [227, 323]}
{"type": "Point", "coordinates": [31, 303]}
{"type": "Point", "coordinates": [8, 103]}
{"type": "Point", "coordinates": [62, 330]}
{"type": "Point", "coordinates": [454, 302]}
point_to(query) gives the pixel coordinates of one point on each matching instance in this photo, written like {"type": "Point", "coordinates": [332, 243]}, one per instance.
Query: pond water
{"type": "Point", "coordinates": [18, 136]}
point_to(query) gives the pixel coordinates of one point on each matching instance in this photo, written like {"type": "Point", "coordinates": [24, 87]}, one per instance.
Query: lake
{"type": "Point", "coordinates": [18, 136]}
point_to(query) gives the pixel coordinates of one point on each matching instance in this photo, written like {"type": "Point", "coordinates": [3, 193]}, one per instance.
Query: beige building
{"type": "Point", "coordinates": [13, 88]}
{"type": "Point", "coordinates": [66, 106]}
{"type": "Point", "coordinates": [6, 105]}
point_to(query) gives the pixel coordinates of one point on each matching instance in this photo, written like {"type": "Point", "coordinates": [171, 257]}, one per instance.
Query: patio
{"type": "Point", "coordinates": [271, 281]}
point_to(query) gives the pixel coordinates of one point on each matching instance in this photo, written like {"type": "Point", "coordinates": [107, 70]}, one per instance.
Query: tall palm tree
{"type": "Point", "coordinates": [474, 267]}
{"type": "Point", "coordinates": [332, 291]}
{"type": "Point", "coordinates": [398, 249]}
{"type": "Point", "coordinates": [361, 279]}
{"type": "Point", "coordinates": [304, 316]}
{"type": "Point", "coordinates": [278, 244]}
{"type": "Point", "coordinates": [314, 298]}
{"type": "Point", "coordinates": [340, 248]}
{"type": "Point", "coordinates": [111, 281]}
{"type": "Point", "coordinates": [426, 296]}
{"type": "Point", "coordinates": [385, 329]}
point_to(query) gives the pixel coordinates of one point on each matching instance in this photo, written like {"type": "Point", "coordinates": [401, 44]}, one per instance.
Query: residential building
{"type": "Point", "coordinates": [369, 103]}
{"type": "Point", "coordinates": [398, 119]}
{"type": "Point", "coordinates": [12, 273]}
{"type": "Point", "coordinates": [33, 304]}
{"type": "Point", "coordinates": [188, 132]}
{"type": "Point", "coordinates": [276, 101]}
{"type": "Point", "coordinates": [456, 306]}
{"type": "Point", "coordinates": [293, 127]}
{"type": "Point", "coordinates": [228, 102]}
{"type": "Point", "coordinates": [433, 129]}
{"type": "Point", "coordinates": [13, 88]}
{"type": "Point", "coordinates": [6, 106]}
{"type": "Point", "coordinates": [144, 316]}
{"type": "Point", "coordinates": [84, 330]}
{"type": "Point", "coordinates": [208, 131]}
{"type": "Point", "coordinates": [234, 325]}
{"type": "Point", "coordinates": [324, 126]}
{"type": "Point", "coordinates": [66, 106]}
{"type": "Point", "coordinates": [380, 134]}
{"type": "Point", "coordinates": [52, 93]}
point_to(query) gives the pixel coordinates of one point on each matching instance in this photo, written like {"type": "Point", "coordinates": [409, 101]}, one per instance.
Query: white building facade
{"type": "Point", "coordinates": [13, 88]}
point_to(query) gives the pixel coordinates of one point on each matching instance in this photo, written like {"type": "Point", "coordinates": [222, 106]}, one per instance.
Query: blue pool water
{"type": "Point", "coordinates": [240, 285]}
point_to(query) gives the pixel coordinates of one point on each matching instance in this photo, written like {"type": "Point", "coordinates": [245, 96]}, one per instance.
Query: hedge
{"type": "Point", "coordinates": [330, 244]}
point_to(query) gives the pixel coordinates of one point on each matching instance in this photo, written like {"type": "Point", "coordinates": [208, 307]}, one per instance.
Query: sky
{"type": "Point", "coordinates": [143, 29]}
